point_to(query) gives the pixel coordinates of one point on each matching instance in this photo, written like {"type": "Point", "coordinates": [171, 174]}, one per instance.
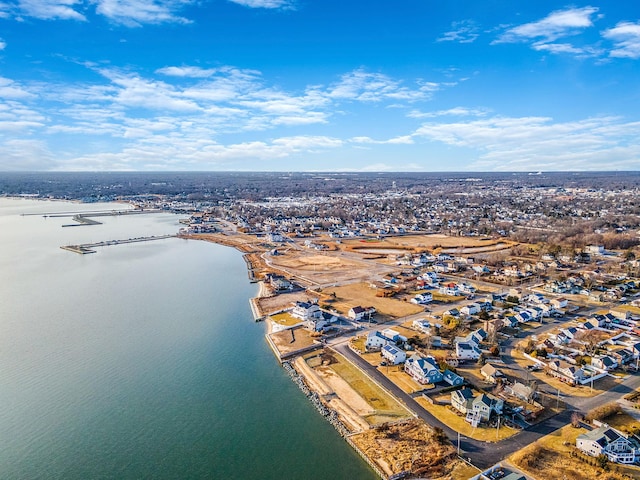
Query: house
{"type": "Point", "coordinates": [491, 373]}
{"type": "Point", "coordinates": [279, 282]}
{"type": "Point", "coordinates": [450, 289]}
{"type": "Point", "coordinates": [559, 303]}
{"type": "Point", "coordinates": [423, 326]}
{"type": "Point", "coordinates": [566, 372]}
{"type": "Point", "coordinates": [484, 405]}
{"type": "Point", "coordinates": [604, 362]}
{"type": "Point", "coordinates": [467, 351]}
{"type": "Point", "coordinates": [375, 341]}
{"type": "Point", "coordinates": [360, 313]}
{"type": "Point", "coordinates": [393, 354]}
{"type": "Point", "coordinates": [471, 309]}
{"type": "Point", "coordinates": [521, 391]}
{"type": "Point", "coordinates": [466, 289]}
{"type": "Point", "coordinates": [306, 310]}
{"type": "Point", "coordinates": [394, 335]}
{"type": "Point", "coordinates": [422, 298]}
{"type": "Point", "coordinates": [423, 370]}
{"type": "Point", "coordinates": [604, 440]}
{"type": "Point", "coordinates": [462, 400]}
{"type": "Point", "coordinates": [452, 379]}
{"type": "Point", "coordinates": [481, 406]}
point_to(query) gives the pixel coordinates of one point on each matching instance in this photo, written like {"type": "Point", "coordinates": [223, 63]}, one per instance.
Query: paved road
{"type": "Point", "coordinates": [483, 454]}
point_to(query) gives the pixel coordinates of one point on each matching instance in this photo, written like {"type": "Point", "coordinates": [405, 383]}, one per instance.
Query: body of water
{"type": "Point", "coordinates": [142, 361]}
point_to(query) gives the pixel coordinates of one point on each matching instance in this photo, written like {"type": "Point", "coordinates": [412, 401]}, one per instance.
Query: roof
{"type": "Point", "coordinates": [392, 349]}
{"type": "Point", "coordinates": [464, 393]}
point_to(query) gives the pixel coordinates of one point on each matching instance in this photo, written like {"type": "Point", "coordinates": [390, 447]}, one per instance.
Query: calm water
{"type": "Point", "coordinates": [142, 361]}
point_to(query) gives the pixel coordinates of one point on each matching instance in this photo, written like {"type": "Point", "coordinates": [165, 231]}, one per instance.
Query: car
{"type": "Point", "coordinates": [383, 364]}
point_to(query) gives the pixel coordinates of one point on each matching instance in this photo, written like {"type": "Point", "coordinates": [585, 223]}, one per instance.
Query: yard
{"type": "Point", "coordinates": [457, 422]}
{"type": "Point", "coordinates": [402, 379]}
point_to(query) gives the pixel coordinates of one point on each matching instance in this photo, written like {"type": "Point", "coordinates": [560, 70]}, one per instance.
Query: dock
{"type": "Point", "coordinates": [87, 248]}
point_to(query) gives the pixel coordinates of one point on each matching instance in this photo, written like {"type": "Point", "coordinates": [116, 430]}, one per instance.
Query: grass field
{"type": "Point", "coordinates": [386, 408]}
{"type": "Point", "coordinates": [285, 319]}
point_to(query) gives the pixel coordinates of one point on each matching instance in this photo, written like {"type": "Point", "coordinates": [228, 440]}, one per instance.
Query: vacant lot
{"type": "Point", "coordinates": [319, 267]}
{"type": "Point", "coordinates": [292, 340]}
{"type": "Point", "coordinates": [550, 457]}
{"type": "Point", "coordinates": [357, 390]}
{"type": "Point", "coordinates": [414, 446]}
{"type": "Point", "coordinates": [354, 294]}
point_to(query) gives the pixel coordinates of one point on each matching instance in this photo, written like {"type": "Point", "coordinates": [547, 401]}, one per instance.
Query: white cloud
{"type": "Point", "coordinates": [558, 24]}
{"type": "Point", "coordinates": [264, 3]}
{"type": "Point", "coordinates": [456, 111]}
{"type": "Point", "coordinates": [626, 39]}
{"type": "Point", "coordinates": [539, 143]}
{"type": "Point", "coordinates": [11, 90]}
{"type": "Point", "coordinates": [134, 13]}
{"type": "Point", "coordinates": [3, 44]}
{"type": "Point", "coordinates": [465, 31]}
{"type": "Point", "coordinates": [374, 87]}
{"type": "Point", "coordinates": [52, 9]}
{"type": "Point", "coordinates": [191, 72]}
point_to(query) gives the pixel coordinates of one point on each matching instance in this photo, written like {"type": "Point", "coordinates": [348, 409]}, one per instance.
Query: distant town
{"type": "Point", "coordinates": [449, 325]}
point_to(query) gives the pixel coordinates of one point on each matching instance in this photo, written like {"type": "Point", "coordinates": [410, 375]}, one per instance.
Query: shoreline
{"type": "Point", "coordinates": [314, 395]}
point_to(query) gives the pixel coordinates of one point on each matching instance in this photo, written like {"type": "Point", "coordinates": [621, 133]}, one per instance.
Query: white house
{"type": "Point", "coordinates": [423, 370]}
{"type": "Point", "coordinates": [375, 341]}
{"type": "Point", "coordinates": [393, 335]}
{"type": "Point", "coordinates": [422, 298]}
{"type": "Point", "coordinates": [604, 440]}
{"type": "Point", "coordinates": [450, 289]}
{"type": "Point", "coordinates": [467, 351]}
{"type": "Point", "coordinates": [604, 362]}
{"type": "Point", "coordinates": [423, 326]}
{"type": "Point", "coordinates": [393, 354]}
{"type": "Point", "coordinates": [559, 303]}
{"type": "Point", "coordinates": [360, 313]}
{"type": "Point", "coordinates": [306, 311]}
{"type": "Point", "coordinates": [471, 309]}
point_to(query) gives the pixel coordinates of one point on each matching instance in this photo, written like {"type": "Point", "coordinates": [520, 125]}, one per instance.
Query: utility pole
{"type": "Point", "coordinates": [458, 443]}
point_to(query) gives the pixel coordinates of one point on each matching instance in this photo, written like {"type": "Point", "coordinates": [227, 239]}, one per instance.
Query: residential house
{"type": "Point", "coordinates": [422, 298]}
{"type": "Point", "coordinates": [462, 400]}
{"type": "Point", "coordinates": [566, 372]}
{"type": "Point", "coordinates": [467, 351]}
{"type": "Point", "coordinates": [604, 362]}
{"type": "Point", "coordinates": [559, 303]}
{"type": "Point", "coordinates": [375, 341]}
{"type": "Point", "coordinates": [471, 309]}
{"type": "Point", "coordinates": [306, 310]}
{"type": "Point", "coordinates": [360, 313]}
{"type": "Point", "coordinates": [481, 406]}
{"type": "Point", "coordinates": [393, 354]}
{"type": "Point", "coordinates": [423, 370]}
{"type": "Point", "coordinates": [423, 326]}
{"type": "Point", "coordinates": [450, 289]}
{"type": "Point", "coordinates": [491, 373]}
{"type": "Point", "coordinates": [605, 440]}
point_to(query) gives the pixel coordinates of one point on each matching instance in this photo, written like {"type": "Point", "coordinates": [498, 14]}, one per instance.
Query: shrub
{"type": "Point", "coordinates": [604, 411]}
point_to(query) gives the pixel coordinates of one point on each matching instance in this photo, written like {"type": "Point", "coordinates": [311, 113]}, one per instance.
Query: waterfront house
{"type": "Point", "coordinates": [605, 440]}
{"type": "Point", "coordinates": [393, 354]}
{"type": "Point", "coordinates": [306, 311]}
{"type": "Point", "coordinates": [423, 370]}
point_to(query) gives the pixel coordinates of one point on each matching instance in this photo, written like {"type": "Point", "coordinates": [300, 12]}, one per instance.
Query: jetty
{"type": "Point", "coordinates": [86, 248]}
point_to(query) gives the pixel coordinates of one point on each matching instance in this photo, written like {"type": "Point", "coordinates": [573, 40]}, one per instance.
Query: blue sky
{"type": "Point", "coordinates": [397, 85]}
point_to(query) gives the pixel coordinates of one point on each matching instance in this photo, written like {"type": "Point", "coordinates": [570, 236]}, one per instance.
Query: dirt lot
{"type": "Point", "coordinates": [367, 399]}
{"type": "Point", "coordinates": [320, 268]}
{"type": "Point", "coordinates": [414, 446]}
{"type": "Point", "coordinates": [550, 457]}
{"type": "Point", "coordinates": [424, 242]}
{"type": "Point", "coordinates": [269, 305]}
{"type": "Point", "coordinates": [292, 340]}
{"type": "Point", "coordinates": [354, 294]}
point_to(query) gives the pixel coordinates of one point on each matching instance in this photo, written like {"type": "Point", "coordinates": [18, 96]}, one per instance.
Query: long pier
{"type": "Point", "coordinates": [86, 248]}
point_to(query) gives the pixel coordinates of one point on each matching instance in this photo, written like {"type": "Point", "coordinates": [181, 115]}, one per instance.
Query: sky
{"type": "Point", "coordinates": [319, 85]}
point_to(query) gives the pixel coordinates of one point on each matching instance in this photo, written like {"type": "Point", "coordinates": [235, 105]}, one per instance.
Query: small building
{"type": "Point", "coordinates": [393, 354]}
{"type": "Point", "coordinates": [452, 379]}
{"type": "Point", "coordinates": [306, 310]}
{"type": "Point", "coordinates": [604, 362]}
{"type": "Point", "coordinates": [491, 373]}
